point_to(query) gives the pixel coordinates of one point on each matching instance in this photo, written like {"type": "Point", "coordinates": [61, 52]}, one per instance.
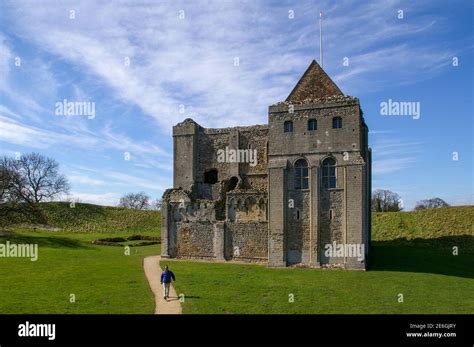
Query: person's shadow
{"type": "Point", "coordinates": [174, 298]}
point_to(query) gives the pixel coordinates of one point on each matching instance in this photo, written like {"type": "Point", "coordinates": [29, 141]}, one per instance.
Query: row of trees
{"type": "Point", "coordinates": [387, 201]}
{"type": "Point", "coordinates": [430, 203]}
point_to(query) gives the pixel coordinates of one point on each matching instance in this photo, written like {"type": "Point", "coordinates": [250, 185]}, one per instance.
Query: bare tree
{"type": "Point", "coordinates": [385, 201]}
{"type": "Point", "coordinates": [34, 178]}
{"type": "Point", "coordinates": [6, 179]}
{"type": "Point", "coordinates": [137, 201]}
{"type": "Point", "coordinates": [430, 203]}
{"type": "Point", "coordinates": [156, 204]}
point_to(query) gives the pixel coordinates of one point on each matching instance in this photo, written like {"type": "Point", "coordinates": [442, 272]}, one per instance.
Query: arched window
{"type": "Point", "coordinates": [288, 126]}
{"type": "Point", "coordinates": [301, 174]}
{"type": "Point", "coordinates": [337, 122]}
{"type": "Point", "coordinates": [312, 124]}
{"type": "Point", "coordinates": [329, 173]}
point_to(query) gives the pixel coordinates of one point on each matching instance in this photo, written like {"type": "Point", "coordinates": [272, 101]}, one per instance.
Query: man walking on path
{"type": "Point", "coordinates": [166, 277]}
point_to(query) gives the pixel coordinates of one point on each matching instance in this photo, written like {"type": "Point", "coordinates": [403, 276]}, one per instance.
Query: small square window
{"type": "Point", "coordinates": [312, 125]}
{"type": "Point", "coordinates": [337, 123]}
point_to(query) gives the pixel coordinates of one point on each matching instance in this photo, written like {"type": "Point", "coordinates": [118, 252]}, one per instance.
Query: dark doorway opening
{"type": "Point", "coordinates": [210, 176]}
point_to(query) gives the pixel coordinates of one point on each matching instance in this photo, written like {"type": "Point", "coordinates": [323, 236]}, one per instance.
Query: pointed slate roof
{"type": "Point", "coordinates": [314, 84]}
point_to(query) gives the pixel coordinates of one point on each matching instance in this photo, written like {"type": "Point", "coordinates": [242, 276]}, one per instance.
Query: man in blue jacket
{"type": "Point", "coordinates": [166, 277]}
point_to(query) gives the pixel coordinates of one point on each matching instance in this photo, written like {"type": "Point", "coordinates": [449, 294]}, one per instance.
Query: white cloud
{"type": "Point", "coordinates": [86, 180]}
{"type": "Point", "coordinates": [190, 61]}
{"type": "Point", "coordinates": [386, 166]}
{"type": "Point", "coordinates": [126, 181]}
{"type": "Point", "coordinates": [19, 133]}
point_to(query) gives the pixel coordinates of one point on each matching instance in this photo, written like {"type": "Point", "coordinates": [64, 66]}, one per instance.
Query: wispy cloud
{"type": "Point", "coordinates": [127, 181]}
{"type": "Point", "coordinates": [392, 155]}
{"type": "Point", "coordinates": [190, 61]}
{"type": "Point", "coordinates": [80, 179]}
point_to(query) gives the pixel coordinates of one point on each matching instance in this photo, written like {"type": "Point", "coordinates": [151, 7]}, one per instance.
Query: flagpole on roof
{"type": "Point", "coordinates": [321, 38]}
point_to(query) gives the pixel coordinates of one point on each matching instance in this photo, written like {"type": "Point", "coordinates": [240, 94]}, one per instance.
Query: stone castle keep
{"type": "Point", "coordinates": [308, 189]}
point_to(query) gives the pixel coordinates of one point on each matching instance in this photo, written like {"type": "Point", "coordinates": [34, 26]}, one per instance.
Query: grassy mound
{"type": "Point", "coordinates": [442, 226]}
{"type": "Point", "coordinates": [83, 218]}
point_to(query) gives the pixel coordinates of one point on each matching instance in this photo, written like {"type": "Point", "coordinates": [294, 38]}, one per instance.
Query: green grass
{"type": "Point", "coordinates": [81, 218]}
{"type": "Point", "coordinates": [425, 224]}
{"type": "Point", "coordinates": [103, 278]}
{"type": "Point", "coordinates": [411, 254]}
{"type": "Point", "coordinates": [431, 281]}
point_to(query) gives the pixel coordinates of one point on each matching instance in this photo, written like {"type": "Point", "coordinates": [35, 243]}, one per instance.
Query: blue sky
{"type": "Point", "coordinates": [181, 64]}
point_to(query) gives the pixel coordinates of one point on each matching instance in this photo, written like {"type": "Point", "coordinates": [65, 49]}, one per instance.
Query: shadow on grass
{"type": "Point", "coordinates": [44, 241]}
{"type": "Point", "coordinates": [23, 212]}
{"type": "Point", "coordinates": [425, 255]}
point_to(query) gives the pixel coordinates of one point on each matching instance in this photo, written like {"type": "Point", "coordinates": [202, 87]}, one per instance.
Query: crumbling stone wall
{"type": "Point", "coordinates": [246, 206]}
{"type": "Point", "coordinates": [195, 239]}
{"type": "Point", "coordinates": [254, 138]}
{"type": "Point", "coordinates": [208, 143]}
{"type": "Point", "coordinates": [247, 241]}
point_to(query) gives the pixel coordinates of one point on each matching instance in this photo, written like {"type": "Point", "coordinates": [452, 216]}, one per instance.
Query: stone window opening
{"type": "Point", "coordinates": [297, 214]}
{"type": "Point", "coordinates": [312, 125]}
{"type": "Point", "coordinates": [330, 214]}
{"type": "Point", "coordinates": [288, 126]}
{"type": "Point", "coordinates": [211, 176]}
{"type": "Point", "coordinates": [329, 173]}
{"type": "Point", "coordinates": [262, 209]}
{"type": "Point", "coordinates": [232, 184]}
{"type": "Point", "coordinates": [301, 174]}
{"type": "Point", "coordinates": [337, 123]}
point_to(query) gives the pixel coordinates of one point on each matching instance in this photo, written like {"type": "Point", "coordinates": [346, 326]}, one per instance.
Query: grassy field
{"type": "Point", "coordinates": [102, 278]}
{"type": "Point", "coordinates": [411, 255]}
{"type": "Point", "coordinates": [431, 281]}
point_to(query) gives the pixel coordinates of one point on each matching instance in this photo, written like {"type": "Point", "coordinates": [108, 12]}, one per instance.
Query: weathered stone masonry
{"type": "Point", "coordinates": [309, 188]}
